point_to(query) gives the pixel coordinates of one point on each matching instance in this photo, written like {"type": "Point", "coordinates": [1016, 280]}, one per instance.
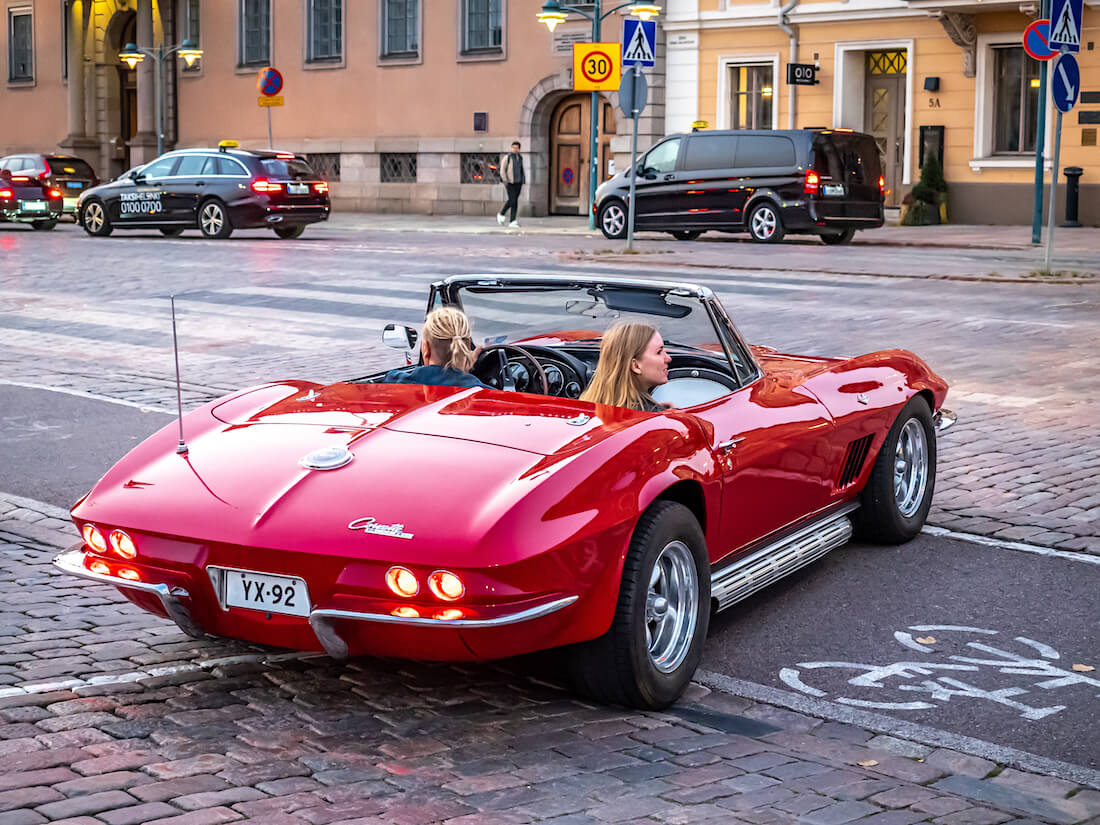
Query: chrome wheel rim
{"type": "Point", "coordinates": [763, 223]}
{"type": "Point", "coordinates": [613, 220]}
{"type": "Point", "coordinates": [910, 468]}
{"type": "Point", "coordinates": [93, 217]}
{"type": "Point", "coordinates": [212, 219]}
{"type": "Point", "coordinates": [671, 607]}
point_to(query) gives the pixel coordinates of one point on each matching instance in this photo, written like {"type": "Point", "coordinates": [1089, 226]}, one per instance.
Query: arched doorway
{"type": "Point", "coordinates": [121, 87]}
{"type": "Point", "coordinates": [570, 135]}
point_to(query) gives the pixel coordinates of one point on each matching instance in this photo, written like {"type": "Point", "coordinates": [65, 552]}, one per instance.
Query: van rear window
{"type": "Point", "coordinates": [70, 166]}
{"type": "Point", "coordinates": [847, 157]}
{"type": "Point", "coordinates": [287, 168]}
{"type": "Point", "coordinates": [709, 152]}
{"type": "Point", "coordinates": [758, 151]}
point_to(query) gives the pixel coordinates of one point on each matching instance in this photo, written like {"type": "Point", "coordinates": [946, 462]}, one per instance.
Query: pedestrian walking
{"type": "Point", "coordinates": [511, 172]}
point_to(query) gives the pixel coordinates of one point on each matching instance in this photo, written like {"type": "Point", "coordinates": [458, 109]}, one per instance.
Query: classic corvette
{"type": "Point", "coordinates": [459, 523]}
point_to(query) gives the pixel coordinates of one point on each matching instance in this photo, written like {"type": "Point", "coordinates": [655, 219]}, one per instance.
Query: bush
{"type": "Point", "coordinates": [925, 198]}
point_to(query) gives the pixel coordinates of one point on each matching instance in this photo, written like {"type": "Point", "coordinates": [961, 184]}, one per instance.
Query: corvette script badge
{"type": "Point", "coordinates": [369, 524]}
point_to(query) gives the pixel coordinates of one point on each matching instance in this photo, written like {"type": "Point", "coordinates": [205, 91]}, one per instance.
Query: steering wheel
{"type": "Point", "coordinates": [506, 382]}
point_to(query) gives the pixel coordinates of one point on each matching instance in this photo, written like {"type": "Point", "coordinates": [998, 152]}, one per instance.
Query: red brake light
{"type": "Point", "coordinates": [6, 193]}
{"type": "Point", "coordinates": [20, 178]}
{"type": "Point", "coordinates": [812, 183]}
{"type": "Point", "coordinates": [94, 538]}
{"type": "Point", "coordinates": [55, 193]}
{"type": "Point", "coordinates": [321, 187]}
{"type": "Point", "coordinates": [881, 185]}
{"type": "Point", "coordinates": [264, 185]}
{"type": "Point", "coordinates": [402, 582]}
{"type": "Point", "coordinates": [285, 155]}
{"type": "Point", "coordinates": [122, 544]}
{"type": "Point", "coordinates": [446, 586]}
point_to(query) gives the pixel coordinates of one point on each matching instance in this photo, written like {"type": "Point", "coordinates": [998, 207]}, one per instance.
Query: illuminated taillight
{"type": "Point", "coordinates": [448, 615]}
{"type": "Point", "coordinates": [285, 155]}
{"type": "Point", "coordinates": [321, 187]}
{"type": "Point", "coordinates": [402, 582]}
{"type": "Point", "coordinates": [6, 193]}
{"type": "Point", "coordinates": [265, 186]}
{"type": "Point", "coordinates": [882, 185]}
{"type": "Point", "coordinates": [94, 538]}
{"type": "Point", "coordinates": [405, 612]}
{"type": "Point", "coordinates": [122, 544]}
{"type": "Point", "coordinates": [55, 193]}
{"type": "Point", "coordinates": [129, 574]}
{"type": "Point", "coordinates": [446, 585]}
{"type": "Point", "coordinates": [812, 182]}
{"type": "Point", "coordinates": [100, 567]}
{"type": "Point", "coordinates": [20, 178]}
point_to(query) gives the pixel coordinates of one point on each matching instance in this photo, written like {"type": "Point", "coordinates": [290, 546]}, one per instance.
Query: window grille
{"type": "Point", "coordinates": [398, 167]}
{"type": "Point", "coordinates": [481, 30]}
{"type": "Point", "coordinates": [325, 164]}
{"type": "Point", "coordinates": [21, 48]}
{"type": "Point", "coordinates": [326, 20]}
{"type": "Point", "coordinates": [880, 63]}
{"type": "Point", "coordinates": [255, 21]}
{"type": "Point", "coordinates": [400, 28]}
{"type": "Point", "coordinates": [480, 167]}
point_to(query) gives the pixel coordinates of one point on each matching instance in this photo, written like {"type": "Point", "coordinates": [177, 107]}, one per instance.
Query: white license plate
{"type": "Point", "coordinates": [267, 592]}
{"type": "Point", "coordinates": [834, 189]}
{"type": "Point", "coordinates": [298, 188]}
{"type": "Point", "coordinates": [34, 206]}
{"type": "Point", "coordinates": [71, 203]}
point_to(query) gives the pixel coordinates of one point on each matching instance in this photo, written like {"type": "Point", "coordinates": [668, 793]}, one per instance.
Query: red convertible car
{"type": "Point", "coordinates": [459, 523]}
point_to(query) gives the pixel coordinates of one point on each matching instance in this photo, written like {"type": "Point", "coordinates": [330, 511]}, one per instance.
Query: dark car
{"type": "Point", "coordinates": [70, 175]}
{"type": "Point", "coordinates": [215, 190]}
{"type": "Point", "coordinates": [25, 199]}
{"type": "Point", "coordinates": [767, 183]}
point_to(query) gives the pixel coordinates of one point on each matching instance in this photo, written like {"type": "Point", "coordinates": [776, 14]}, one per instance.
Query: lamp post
{"type": "Point", "coordinates": [132, 54]}
{"type": "Point", "coordinates": [554, 12]}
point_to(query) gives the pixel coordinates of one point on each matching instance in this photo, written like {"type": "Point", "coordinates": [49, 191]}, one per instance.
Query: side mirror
{"type": "Point", "coordinates": [649, 174]}
{"type": "Point", "coordinates": [399, 337]}
{"type": "Point", "coordinates": [137, 177]}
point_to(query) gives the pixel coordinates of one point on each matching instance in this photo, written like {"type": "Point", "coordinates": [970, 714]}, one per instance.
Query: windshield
{"type": "Point", "coordinates": [287, 168]}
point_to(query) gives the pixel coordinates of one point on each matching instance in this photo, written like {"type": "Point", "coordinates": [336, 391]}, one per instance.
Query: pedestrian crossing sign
{"type": "Point", "coordinates": [639, 42]}
{"type": "Point", "coordinates": [1065, 25]}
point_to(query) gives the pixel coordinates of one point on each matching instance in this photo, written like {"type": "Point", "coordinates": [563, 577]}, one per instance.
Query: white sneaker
{"type": "Point", "coordinates": [513, 225]}
{"type": "Point", "coordinates": [500, 219]}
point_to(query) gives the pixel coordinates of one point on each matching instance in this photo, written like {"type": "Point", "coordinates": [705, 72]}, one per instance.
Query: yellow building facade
{"type": "Point", "coordinates": [917, 74]}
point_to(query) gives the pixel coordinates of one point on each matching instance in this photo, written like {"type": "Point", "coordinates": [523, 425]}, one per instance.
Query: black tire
{"type": "Point", "coordinates": [844, 236]}
{"type": "Point", "coordinates": [43, 225]}
{"type": "Point", "coordinates": [214, 219]}
{"type": "Point", "coordinates": [288, 233]}
{"type": "Point", "coordinates": [95, 220]}
{"type": "Point", "coordinates": [171, 231]}
{"type": "Point", "coordinates": [619, 667]}
{"type": "Point", "coordinates": [764, 223]}
{"type": "Point", "coordinates": [612, 219]}
{"type": "Point", "coordinates": [882, 518]}
{"type": "Point", "coordinates": [685, 234]}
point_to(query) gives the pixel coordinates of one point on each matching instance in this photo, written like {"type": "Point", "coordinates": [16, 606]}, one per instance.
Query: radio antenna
{"type": "Point", "coordinates": [181, 448]}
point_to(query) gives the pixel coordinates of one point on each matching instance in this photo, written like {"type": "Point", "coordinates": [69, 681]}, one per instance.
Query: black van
{"type": "Point", "coordinates": [765, 182]}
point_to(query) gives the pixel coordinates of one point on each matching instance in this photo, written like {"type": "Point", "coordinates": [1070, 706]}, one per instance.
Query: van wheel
{"type": "Point", "coordinates": [94, 219]}
{"type": "Point", "coordinates": [838, 238]}
{"type": "Point", "coordinates": [43, 224]}
{"type": "Point", "coordinates": [214, 220]}
{"type": "Point", "coordinates": [685, 234]}
{"type": "Point", "coordinates": [289, 232]}
{"type": "Point", "coordinates": [764, 224]}
{"type": "Point", "coordinates": [612, 220]}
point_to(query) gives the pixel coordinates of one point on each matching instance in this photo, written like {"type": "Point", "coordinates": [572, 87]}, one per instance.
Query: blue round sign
{"type": "Point", "coordinates": [567, 176]}
{"type": "Point", "coordinates": [1065, 82]}
{"type": "Point", "coordinates": [1037, 40]}
{"type": "Point", "coordinates": [269, 81]}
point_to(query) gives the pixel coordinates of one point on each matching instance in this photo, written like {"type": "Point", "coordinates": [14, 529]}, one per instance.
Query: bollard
{"type": "Point", "coordinates": [1073, 188]}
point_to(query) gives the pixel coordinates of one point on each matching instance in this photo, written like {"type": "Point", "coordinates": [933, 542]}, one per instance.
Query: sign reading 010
{"type": "Point", "coordinates": [597, 67]}
{"type": "Point", "coordinates": [801, 74]}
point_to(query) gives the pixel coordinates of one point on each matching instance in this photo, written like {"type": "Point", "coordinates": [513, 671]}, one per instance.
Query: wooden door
{"type": "Point", "coordinates": [570, 136]}
{"type": "Point", "coordinates": [884, 111]}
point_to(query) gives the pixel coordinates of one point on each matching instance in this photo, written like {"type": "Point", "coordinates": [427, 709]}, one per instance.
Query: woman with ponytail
{"type": "Point", "coordinates": [447, 351]}
{"type": "Point", "coordinates": [632, 362]}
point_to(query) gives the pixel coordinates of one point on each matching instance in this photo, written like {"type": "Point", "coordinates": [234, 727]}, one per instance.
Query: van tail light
{"type": "Point", "coordinates": [265, 186]}
{"type": "Point", "coordinates": [812, 183]}
{"type": "Point", "coordinates": [321, 187]}
{"type": "Point", "coordinates": [882, 185]}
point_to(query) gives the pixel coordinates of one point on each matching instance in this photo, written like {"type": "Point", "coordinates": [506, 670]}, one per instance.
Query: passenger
{"type": "Point", "coordinates": [447, 349]}
{"type": "Point", "coordinates": [632, 363]}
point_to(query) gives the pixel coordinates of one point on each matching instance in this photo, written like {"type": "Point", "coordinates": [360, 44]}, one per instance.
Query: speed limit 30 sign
{"type": "Point", "coordinates": [597, 67]}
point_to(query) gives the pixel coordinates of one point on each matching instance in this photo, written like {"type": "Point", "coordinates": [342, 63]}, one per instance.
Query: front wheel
{"type": "Point", "coordinates": [895, 503]}
{"type": "Point", "coordinates": [43, 225]}
{"type": "Point", "coordinates": [95, 221]}
{"type": "Point", "coordinates": [289, 232]}
{"type": "Point", "coordinates": [685, 234]}
{"type": "Point", "coordinates": [838, 238]}
{"type": "Point", "coordinates": [764, 224]}
{"type": "Point", "coordinates": [214, 220]}
{"type": "Point", "coordinates": [612, 220]}
{"type": "Point", "coordinates": [655, 643]}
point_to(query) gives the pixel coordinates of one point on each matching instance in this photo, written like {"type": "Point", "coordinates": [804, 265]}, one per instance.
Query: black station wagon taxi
{"type": "Point", "coordinates": [214, 190]}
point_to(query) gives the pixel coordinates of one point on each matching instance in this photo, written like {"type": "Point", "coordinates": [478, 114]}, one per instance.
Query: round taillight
{"type": "Point", "coordinates": [94, 538]}
{"type": "Point", "coordinates": [446, 585]}
{"type": "Point", "coordinates": [122, 544]}
{"type": "Point", "coordinates": [402, 582]}
{"type": "Point", "coordinates": [129, 574]}
{"type": "Point", "coordinates": [405, 612]}
{"type": "Point", "coordinates": [100, 567]}
{"type": "Point", "coordinates": [448, 615]}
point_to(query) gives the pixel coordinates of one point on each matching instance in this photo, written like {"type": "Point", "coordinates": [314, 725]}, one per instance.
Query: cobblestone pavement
{"type": "Point", "coordinates": [109, 716]}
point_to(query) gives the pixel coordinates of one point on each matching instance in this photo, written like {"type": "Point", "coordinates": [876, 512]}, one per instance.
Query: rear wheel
{"type": "Point", "coordinates": [40, 225]}
{"type": "Point", "coordinates": [764, 223]}
{"type": "Point", "coordinates": [214, 220]}
{"type": "Point", "coordinates": [94, 219]}
{"type": "Point", "coordinates": [648, 656]}
{"type": "Point", "coordinates": [613, 220]}
{"type": "Point", "coordinates": [685, 234]}
{"type": "Point", "coordinates": [289, 232]}
{"type": "Point", "coordinates": [171, 231]}
{"type": "Point", "coordinates": [837, 238]}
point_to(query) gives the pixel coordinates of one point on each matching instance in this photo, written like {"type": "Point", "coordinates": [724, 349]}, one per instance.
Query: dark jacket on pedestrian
{"type": "Point", "coordinates": [511, 170]}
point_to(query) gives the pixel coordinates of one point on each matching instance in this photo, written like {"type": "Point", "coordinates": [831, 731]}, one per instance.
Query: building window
{"type": "Point", "coordinates": [480, 167]}
{"type": "Point", "coordinates": [1015, 100]}
{"type": "Point", "coordinates": [325, 25]}
{"type": "Point", "coordinates": [398, 167]}
{"type": "Point", "coordinates": [751, 94]}
{"type": "Point", "coordinates": [325, 164]}
{"type": "Point", "coordinates": [255, 22]}
{"type": "Point", "coordinates": [400, 28]}
{"type": "Point", "coordinates": [481, 29]}
{"type": "Point", "coordinates": [20, 45]}
{"type": "Point", "coordinates": [190, 30]}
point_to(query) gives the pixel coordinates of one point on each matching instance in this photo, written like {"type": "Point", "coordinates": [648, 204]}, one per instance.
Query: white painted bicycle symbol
{"type": "Point", "coordinates": [1037, 665]}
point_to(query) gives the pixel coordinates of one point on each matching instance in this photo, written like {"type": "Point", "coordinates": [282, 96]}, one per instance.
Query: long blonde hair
{"type": "Point", "coordinates": [615, 382]}
{"type": "Point", "coordinates": [448, 333]}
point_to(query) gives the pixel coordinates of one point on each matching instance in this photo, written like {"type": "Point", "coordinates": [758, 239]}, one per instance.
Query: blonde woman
{"type": "Point", "coordinates": [447, 351]}
{"type": "Point", "coordinates": [632, 362]}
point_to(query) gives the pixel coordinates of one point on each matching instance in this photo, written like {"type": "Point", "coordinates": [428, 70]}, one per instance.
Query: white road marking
{"type": "Point", "coordinates": [92, 396]}
{"type": "Point", "coordinates": [988, 541]}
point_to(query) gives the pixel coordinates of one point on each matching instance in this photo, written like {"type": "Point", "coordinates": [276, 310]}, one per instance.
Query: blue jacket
{"type": "Point", "coordinates": [433, 375]}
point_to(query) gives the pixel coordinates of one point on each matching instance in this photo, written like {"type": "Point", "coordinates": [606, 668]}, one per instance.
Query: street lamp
{"type": "Point", "coordinates": [133, 54]}
{"type": "Point", "coordinates": [554, 12]}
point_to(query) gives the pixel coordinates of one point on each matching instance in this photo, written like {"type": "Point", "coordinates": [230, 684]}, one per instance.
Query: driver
{"type": "Point", "coordinates": [632, 362]}
{"type": "Point", "coordinates": [447, 350]}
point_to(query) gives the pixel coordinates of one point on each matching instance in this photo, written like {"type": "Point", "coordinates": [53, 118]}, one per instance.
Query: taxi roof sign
{"type": "Point", "coordinates": [228, 144]}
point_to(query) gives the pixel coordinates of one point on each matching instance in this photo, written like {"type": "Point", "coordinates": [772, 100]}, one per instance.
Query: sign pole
{"type": "Point", "coordinates": [270, 142]}
{"type": "Point", "coordinates": [1053, 188]}
{"type": "Point", "coordinates": [635, 71]}
{"type": "Point", "coordinates": [1040, 143]}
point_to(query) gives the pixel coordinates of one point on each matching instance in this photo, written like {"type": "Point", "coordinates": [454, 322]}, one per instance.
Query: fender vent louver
{"type": "Point", "coordinates": [853, 464]}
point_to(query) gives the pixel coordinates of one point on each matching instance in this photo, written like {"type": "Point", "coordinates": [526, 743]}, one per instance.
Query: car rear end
{"type": "Point", "coordinates": [69, 175]}
{"type": "Point", "coordinates": [26, 199]}
{"type": "Point", "coordinates": [844, 184]}
{"type": "Point", "coordinates": [285, 192]}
